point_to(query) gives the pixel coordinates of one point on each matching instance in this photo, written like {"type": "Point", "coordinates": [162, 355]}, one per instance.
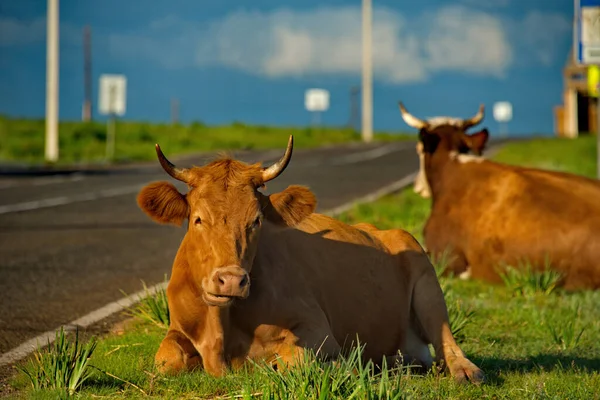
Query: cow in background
{"type": "Point", "coordinates": [264, 277]}
{"type": "Point", "coordinates": [421, 186]}
{"type": "Point", "coordinates": [488, 214]}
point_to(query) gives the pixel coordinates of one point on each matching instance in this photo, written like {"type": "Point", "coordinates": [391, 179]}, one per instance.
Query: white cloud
{"type": "Point", "coordinates": [327, 40]}
{"type": "Point", "coordinates": [322, 41]}
{"type": "Point", "coordinates": [471, 41]}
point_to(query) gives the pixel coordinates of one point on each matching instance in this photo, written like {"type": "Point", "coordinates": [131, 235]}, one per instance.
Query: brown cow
{"type": "Point", "coordinates": [421, 186]}
{"type": "Point", "coordinates": [263, 277]}
{"type": "Point", "coordinates": [489, 214]}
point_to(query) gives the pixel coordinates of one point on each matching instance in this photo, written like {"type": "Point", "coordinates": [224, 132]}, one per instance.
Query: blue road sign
{"type": "Point", "coordinates": [587, 31]}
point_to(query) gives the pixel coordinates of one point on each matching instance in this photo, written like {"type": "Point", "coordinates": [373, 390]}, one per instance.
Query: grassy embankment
{"type": "Point", "coordinates": [532, 340]}
{"type": "Point", "coordinates": [23, 140]}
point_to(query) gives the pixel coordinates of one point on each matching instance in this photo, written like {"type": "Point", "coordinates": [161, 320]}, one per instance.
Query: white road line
{"type": "Point", "coordinates": [358, 156]}
{"type": "Point", "coordinates": [48, 337]}
{"type": "Point", "coordinates": [370, 154]}
{"type": "Point", "coordinates": [74, 177]}
{"type": "Point", "coordinates": [62, 200]}
{"type": "Point", "coordinates": [376, 195]}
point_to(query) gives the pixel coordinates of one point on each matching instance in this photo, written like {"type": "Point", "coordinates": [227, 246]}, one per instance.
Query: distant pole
{"type": "Point", "coordinates": [110, 137]}
{"type": "Point", "coordinates": [503, 130]}
{"type": "Point", "coordinates": [354, 113]}
{"type": "Point", "coordinates": [51, 145]}
{"type": "Point", "coordinates": [87, 75]}
{"type": "Point", "coordinates": [367, 73]}
{"type": "Point", "coordinates": [174, 111]}
{"type": "Point", "coordinates": [316, 120]}
{"type": "Point", "coordinates": [110, 126]}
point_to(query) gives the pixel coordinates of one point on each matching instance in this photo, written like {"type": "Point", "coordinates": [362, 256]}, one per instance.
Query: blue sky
{"type": "Point", "coordinates": [251, 61]}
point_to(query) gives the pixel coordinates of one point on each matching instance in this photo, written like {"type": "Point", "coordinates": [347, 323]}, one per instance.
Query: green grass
{"type": "Point", "coordinates": [152, 307]}
{"type": "Point", "coordinates": [577, 156]}
{"type": "Point", "coordinates": [524, 344]}
{"type": "Point", "coordinates": [61, 367]}
{"type": "Point", "coordinates": [542, 345]}
{"type": "Point", "coordinates": [23, 139]}
{"type": "Point", "coordinates": [523, 280]}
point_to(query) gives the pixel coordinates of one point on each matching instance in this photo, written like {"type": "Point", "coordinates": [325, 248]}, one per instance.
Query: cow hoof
{"type": "Point", "coordinates": [465, 371]}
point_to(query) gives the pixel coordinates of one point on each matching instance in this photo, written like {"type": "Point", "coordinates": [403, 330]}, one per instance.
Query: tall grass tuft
{"type": "Point", "coordinates": [526, 281]}
{"type": "Point", "coordinates": [566, 336]}
{"type": "Point", "coordinates": [346, 378]}
{"type": "Point", "coordinates": [63, 365]}
{"type": "Point", "coordinates": [153, 307]}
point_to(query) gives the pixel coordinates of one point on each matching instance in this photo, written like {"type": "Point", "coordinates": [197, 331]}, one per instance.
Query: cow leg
{"type": "Point", "coordinates": [430, 310]}
{"type": "Point", "coordinates": [415, 353]}
{"type": "Point", "coordinates": [309, 337]}
{"type": "Point", "coordinates": [454, 259]}
{"type": "Point", "coordinates": [176, 354]}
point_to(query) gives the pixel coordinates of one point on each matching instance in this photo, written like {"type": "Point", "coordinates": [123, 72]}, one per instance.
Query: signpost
{"type": "Point", "coordinates": [52, 68]}
{"type": "Point", "coordinates": [113, 89]}
{"type": "Point", "coordinates": [503, 115]}
{"type": "Point", "coordinates": [367, 71]}
{"type": "Point", "coordinates": [587, 48]}
{"type": "Point", "coordinates": [316, 101]}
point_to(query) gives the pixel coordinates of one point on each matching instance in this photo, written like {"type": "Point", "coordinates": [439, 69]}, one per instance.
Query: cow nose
{"type": "Point", "coordinates": [230, 283]}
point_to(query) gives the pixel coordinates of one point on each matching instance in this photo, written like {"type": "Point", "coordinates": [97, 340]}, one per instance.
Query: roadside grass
{"type": "Point", "coordinates": [577, 156]}
{"type": "Point", "coordinates": [531, 339]}
{"type": "Point", "coordinates": [62, 366]}
{"type": "Point", "coordinates": [153, 307]}
{"type": "Point", "coordinates": [22, 140]}
{"type": "Point", "coordinates": [525, 345]}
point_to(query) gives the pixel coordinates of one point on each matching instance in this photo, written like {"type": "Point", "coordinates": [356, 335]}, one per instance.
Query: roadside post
{"type": "Point", "coordinates": [587, 52]}
{"type": "Point", "coordinates": [113, 89]}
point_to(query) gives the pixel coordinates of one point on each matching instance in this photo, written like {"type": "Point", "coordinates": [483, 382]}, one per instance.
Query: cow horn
{"type": "Point", "coordinates": [410, 119]}
{"type": "Point", "coordinates": [476, 119]}
{"type": "Point", "coordinates": [177, 173]}
{"type": "Point", "coordinates": [274, 170]}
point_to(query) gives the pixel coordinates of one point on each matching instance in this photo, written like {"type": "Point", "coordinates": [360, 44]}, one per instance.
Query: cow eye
{"type": "Point", "coordinates": [256, 223]}
{"type": "Point", "coordinates": [197, 221]}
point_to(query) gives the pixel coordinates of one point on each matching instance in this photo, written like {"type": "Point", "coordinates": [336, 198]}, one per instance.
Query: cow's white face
{"type": "Point", "coordinates": [452, 124]}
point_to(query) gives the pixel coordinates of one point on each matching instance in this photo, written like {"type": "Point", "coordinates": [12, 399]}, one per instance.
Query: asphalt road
{"type": "Point", "coordinates": [70, 244]}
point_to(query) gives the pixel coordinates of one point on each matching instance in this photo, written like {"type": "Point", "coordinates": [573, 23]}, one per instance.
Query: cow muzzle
{"type": "Point", "coordinates": [225, 285]}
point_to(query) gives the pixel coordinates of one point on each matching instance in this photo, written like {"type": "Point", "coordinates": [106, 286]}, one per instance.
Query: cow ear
{"type": "Point", "coordinates": [429, 141]}
{"type": "Point", "coordinates": [163, 203]}
{"type": "Point", "coordinates": [477, 141]}
{"type": "Point", "coordinates": [289, 207]}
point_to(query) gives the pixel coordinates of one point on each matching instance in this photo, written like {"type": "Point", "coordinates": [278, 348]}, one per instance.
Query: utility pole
{"type": "Point", "coordinates": [51, 145]}
{"type": "Point", "coordinates": [86, 114]}
{"type": "Point", "coordinates": [367, 73]}
{"type": "Point", "coordinates": [174, 111]}
{"type": "Point", "coordinates": [353, 120]}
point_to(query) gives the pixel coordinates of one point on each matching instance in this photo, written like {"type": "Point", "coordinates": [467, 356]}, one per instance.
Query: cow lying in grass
{"type": "Point", "coordinates": [263, 277]}
{"type": "Point", "coordinates": [486, 215]}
